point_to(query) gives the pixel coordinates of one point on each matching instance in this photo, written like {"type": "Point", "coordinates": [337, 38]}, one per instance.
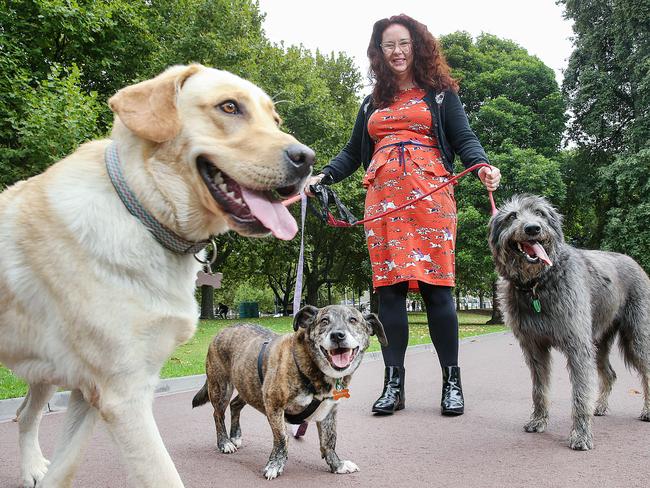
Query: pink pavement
{"type": "Point", "coordinates": [416, 447]}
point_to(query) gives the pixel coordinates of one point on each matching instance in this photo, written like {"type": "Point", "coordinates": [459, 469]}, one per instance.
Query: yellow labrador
{"type": "Point", "coordinates": [97, 272]}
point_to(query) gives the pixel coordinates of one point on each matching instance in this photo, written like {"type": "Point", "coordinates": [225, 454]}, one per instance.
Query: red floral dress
{"type": "Point", "coordinates": [415, 243]}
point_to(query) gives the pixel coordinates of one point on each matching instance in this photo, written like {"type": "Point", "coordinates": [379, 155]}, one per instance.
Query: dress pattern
{"type": "Point", "coordinates": [416, 243]}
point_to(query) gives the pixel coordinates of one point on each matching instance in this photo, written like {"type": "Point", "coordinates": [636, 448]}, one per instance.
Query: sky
{"type": "Point", "coordinates": [345, 26]}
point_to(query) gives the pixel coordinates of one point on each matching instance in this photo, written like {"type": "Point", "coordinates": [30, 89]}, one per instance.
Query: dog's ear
{"type": "Point", "coordinates": [148, 108]}
{"type": "Point", "coordinates": [377, 328]}
{"type": "Point", "coordinates": [304, 317]}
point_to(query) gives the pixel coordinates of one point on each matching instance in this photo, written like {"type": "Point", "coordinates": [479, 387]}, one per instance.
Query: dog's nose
{"type": "Point", "coordinates": [337, 336]}
{"type": "Point", "coordinates": [300, 156]}
{"type": "Point", "coordinates": [532, 229]}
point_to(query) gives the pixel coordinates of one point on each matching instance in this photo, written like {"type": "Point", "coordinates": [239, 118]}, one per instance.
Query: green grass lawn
{"type": "Point", "coordinates": [189, 358]}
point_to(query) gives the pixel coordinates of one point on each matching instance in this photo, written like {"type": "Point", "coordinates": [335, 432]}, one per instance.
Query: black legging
{"type": "Point", "coordinates": [441, 317]}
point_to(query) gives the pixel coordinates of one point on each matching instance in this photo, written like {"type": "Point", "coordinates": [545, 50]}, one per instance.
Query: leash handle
{"type": "Point", "coordinates": [297, 198]}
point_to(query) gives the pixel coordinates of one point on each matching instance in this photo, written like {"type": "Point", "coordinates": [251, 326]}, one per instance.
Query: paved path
{"type": "Point", "coordinates": [486, 447]}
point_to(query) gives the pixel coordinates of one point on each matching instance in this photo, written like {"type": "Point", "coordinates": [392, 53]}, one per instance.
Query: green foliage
{"type": "Point", "coordinates": [316, 98]}
{"type": "Point", "coordinates": [607, 87]}
{"type": "Point", "coordinates": [607, 82]}
{"type": "Point", "coordinates": [526, 171]}
{"type": "Point", "coordinates": [474, 268]}
{"type": "Point", "coordinates": [109, 39]}
{"type": "Point", "coordinates": [114, 43]}
{"type": "Point", "coordinates": [509, 95]}
{"type": "Point", "coordinates": [248, 291]}
{"type": "Point", "coordinates": [628, 181]}
{"type": "Point", "coordinates": [57, 116]}
{"type": "Point", "coordinates": [515, 107]}
{"type": "Point", "coordinates": [225, 34]}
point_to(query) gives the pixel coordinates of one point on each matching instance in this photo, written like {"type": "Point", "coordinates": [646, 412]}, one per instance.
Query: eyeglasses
{"type": "Point", "coordinates": [389, 46]}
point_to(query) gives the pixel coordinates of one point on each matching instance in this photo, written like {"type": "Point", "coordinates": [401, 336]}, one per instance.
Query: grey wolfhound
{"type": "Point", "coordinates": [577, 301]}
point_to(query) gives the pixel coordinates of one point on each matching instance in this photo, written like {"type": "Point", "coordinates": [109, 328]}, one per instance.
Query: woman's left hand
{"type": "Point", "coordinates": [490, 177]}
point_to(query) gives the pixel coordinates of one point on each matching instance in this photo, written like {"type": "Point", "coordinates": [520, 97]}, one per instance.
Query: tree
{"type": "Point", "coordinates": [56, 114]}
{"type": "Point", "coordinates": [316, 98]}
{"type": "Point", "coordinates": [607, 80]}
{"type": "Point", "coordinates": [628, 181]}
{"type": "Point", "coordinates": [515, 107]}
{"type": "Point", "coordinates": [607, 89]}
{"type": "Point", "coordinates": [106, 45]}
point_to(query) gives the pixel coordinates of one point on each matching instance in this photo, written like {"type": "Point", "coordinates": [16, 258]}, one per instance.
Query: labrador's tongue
{"type": "Point", "coordinates": [273, 215]}
{"type": "Point", "coordinates": [341, 357]}
{"type": "Point", "coordinates": [536, 249]}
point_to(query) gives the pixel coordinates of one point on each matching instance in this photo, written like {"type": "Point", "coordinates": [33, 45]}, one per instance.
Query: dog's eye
{"type": "Point", "coordinates": [540, 213]}
{"type": "Point", "coordinates": [512, 216]}
{"type": "Point", "coordinates": [230, 107]}
{"type": "Point", "coordinates": [353, 320]}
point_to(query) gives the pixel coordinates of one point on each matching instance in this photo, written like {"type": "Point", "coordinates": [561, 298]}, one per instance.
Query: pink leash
{"type": "Point", "coordinates": [339, 223]}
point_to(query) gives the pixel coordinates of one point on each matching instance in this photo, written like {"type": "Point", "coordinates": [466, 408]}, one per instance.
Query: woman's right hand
{"type": "Point", "coordinates": [314, 180]}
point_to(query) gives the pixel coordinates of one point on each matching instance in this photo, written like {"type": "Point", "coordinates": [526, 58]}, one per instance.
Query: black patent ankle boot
{"type": "Point", "coordinates": [452, 402]}
{"type": "Point", "coordinates": [392, 398]}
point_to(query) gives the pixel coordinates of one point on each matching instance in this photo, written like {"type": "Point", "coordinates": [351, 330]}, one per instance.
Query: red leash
{"type": "Point", "coordinates": [339, 223]}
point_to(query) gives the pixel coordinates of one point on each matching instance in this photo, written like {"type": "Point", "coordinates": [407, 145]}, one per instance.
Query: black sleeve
{"type": "Point", "coordinates": [458, 132]}
{"type": "Point", "coordinates": [349, 159]}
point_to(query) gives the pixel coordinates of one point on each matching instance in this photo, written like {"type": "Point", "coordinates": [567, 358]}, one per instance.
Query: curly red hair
{"type": "Point", "coordinates": [430, 68]}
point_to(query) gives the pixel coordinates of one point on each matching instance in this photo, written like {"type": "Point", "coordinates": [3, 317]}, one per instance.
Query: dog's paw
{"type": "Point", "coordinates": [33, 471]}
{"type": "Point", "coordinates": [236, 441]}
{"type": "Point", "coordinates": [645, 415]}
{"type": "Point", "coordinates": [536, 425]}
{"type": "Point", "coordinates": [273, 469]}
{"type": "Point", "coordinates": [227, 447]}
{"type": "Point", "coordinates": [581, 441]}
{"type": "Point", "coordinates": [601, 409]}
{"type": "Point", "coordinates": [347, 467]}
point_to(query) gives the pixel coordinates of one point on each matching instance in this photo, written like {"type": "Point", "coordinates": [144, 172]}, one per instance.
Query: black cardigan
{"type": "Point", "coordinates": [450, 125]}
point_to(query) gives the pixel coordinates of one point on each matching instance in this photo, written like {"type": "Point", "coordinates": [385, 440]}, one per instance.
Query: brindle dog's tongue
{"type": "Point", "coordinates": [533, 248]}
{"type": "Point", "coordinates": [341, 357]}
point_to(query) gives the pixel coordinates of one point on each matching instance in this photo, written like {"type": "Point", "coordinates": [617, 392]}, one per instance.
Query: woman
{"type": "Point", "coordinates": [407, 134]}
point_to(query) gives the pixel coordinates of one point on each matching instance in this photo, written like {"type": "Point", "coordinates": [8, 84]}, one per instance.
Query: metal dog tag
{"type": "Point", "coordinates": [209, 279]}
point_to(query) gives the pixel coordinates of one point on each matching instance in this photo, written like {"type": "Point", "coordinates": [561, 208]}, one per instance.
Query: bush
{"type": "Point", "coordinates": [57, 116]}
{"type": "Point", "coordinates": [249, 292]}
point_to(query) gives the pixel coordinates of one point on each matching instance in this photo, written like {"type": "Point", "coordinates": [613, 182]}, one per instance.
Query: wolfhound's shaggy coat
{"type": "Point", "coordinates": [577, 301]}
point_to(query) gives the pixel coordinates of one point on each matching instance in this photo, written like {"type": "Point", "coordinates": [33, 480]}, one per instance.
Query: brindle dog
{"type": "Point", "coordinates": [286, 376]}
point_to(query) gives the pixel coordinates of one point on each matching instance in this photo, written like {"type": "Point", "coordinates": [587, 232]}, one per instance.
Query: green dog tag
{"type": "Point", "coordinates": [536, 305]}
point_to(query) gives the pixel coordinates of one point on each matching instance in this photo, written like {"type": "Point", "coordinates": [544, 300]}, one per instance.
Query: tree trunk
{"type": "Point", "coordinates": [285, 305]}
{"type": "Point", "coordinates": [207, 302]}
{"type": "Point", "coordinates": [312, 294]}
{"type": "Point", "coordinates": [457, 299]}
{"type": "Point", "coordinates": [497, 317]}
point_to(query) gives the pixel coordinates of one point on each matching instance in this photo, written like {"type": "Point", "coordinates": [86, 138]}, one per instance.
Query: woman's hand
{"type": "Point", "coordinates": [490, 177]}
{"type": "Point", "coordinates": [314, 180]}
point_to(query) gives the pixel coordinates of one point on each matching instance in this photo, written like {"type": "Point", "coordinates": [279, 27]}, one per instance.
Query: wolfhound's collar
{"type": "Point", "coordinates": [528, 286]}
{"type": "Point", "coordinates": [167, 238]}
